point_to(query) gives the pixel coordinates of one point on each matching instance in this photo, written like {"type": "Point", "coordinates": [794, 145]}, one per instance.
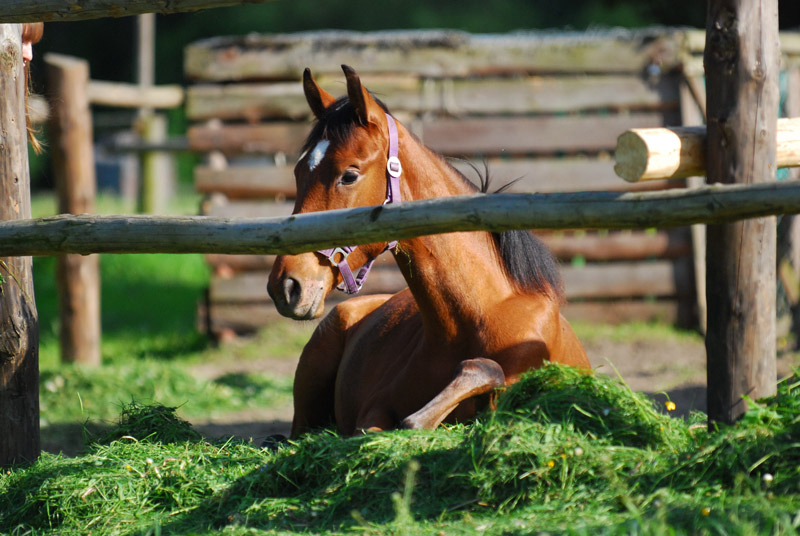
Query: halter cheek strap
{"type": "Point", "coordinates": [338, 256]}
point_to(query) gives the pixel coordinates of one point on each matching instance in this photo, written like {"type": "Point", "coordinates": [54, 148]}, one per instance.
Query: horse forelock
{"type": "Point", "coordinates": [337, 125]}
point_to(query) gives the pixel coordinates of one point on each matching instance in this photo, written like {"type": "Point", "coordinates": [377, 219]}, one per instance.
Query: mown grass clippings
{"type": "Point", "coordinates": [74, 393]}
{"type": "Point", "coordinates": [154, 423]}
{"type": "Point", "coordinates": [536, 465]}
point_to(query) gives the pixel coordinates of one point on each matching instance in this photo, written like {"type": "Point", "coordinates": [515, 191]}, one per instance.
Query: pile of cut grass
{"type": "Point", "coordinates": [563, 453]}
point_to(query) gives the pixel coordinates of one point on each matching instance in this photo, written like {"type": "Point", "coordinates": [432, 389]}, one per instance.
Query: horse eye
{"type": "Point", "coordinates": [349, 177]}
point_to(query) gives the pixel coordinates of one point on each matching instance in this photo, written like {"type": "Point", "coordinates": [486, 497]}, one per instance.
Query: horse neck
{"type": "Point", "coordinates": [454, 277]}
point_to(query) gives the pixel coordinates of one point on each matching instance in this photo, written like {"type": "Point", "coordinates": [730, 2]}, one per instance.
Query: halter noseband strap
{"type": "Point", "coordinates": [338, 256]}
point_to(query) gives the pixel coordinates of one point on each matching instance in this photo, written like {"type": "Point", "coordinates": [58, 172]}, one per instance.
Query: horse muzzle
{"type": "Point", "coordinates": [300, 299]}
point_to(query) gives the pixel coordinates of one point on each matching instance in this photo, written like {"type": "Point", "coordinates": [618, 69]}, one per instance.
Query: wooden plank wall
{"type": "Point", "coordinates": [542, 108]}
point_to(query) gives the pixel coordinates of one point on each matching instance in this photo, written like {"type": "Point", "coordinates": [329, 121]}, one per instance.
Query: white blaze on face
{"type": "Point", "coordinates": [317, 154]}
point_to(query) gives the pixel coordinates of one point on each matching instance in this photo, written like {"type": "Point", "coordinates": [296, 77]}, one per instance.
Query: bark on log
{"type": "Point", "coordinates": [645, 154]}
{"type": "Point", "coordinates": [62, 10]}
{"type": "Point", "coordinates": [295, 234]}
{"type": "Point", "coordinates": [73, 167]}
{"type": "Point", "coordinates": [19, 334]}
{"type": "Point", "coordinates": [742, 62]}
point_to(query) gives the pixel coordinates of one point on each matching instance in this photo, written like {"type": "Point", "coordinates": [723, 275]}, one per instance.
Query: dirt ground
{"type": "Point", "coordinates": [674, 369]}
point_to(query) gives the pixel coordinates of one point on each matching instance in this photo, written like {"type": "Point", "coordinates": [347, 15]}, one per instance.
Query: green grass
{"type": "Point", "coordinates": [564, 453]}
{"type": "Point", "coordinates": [150, 341]}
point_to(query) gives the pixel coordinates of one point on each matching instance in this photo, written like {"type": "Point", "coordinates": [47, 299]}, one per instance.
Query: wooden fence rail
{"type": "Point", "coordinates": [72, 10]}
{"type": "Point", "coordinates": [295, 234]}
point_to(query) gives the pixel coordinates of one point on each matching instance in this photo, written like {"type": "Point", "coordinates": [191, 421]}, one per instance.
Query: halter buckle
{"type": "Point", "coordinates": [393, 166]}
{"type": "Point", "coordinates": [332, 257]}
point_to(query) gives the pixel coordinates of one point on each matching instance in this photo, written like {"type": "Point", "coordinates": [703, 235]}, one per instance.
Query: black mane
{"type": "Point", "coordinates": [526, 259]}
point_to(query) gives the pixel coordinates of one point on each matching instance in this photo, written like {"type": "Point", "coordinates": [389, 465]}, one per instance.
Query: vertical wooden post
{"type": "Point", "coordinates": [19, 330]}
{"type": "Point", "coordinates": [741, 63]}
{"type": "Point", "coordinates": [73, 168]}
{"type": "Point", "coordinates": [693, 113]}
{"type": "Point", "coordinates": [147, 127]}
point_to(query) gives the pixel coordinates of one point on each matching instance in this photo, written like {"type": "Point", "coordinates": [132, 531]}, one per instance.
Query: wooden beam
{"type": "Point", "coordinates": [363, 225]}
{"type": "Point", "coordinates": [645, 154]}
{"type": "Point", "coordinates": [742, 63]}
{"type": "Point", "coordinates": [72, 152]}
{"type": "Point", "coordinates": [19, 331]}
{"type": "Point", "coordinates": [73, 10]}
{"type": "Point", "coordinates": [122, 95]}
{"type": "Point", "coordinates": [433, 54]}
{"type": "Point", "coordinates": [409, 93]}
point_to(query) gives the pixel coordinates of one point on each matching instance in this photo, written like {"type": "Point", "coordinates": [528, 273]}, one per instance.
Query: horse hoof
{"type": "Point", "coordinates": [273, 442]}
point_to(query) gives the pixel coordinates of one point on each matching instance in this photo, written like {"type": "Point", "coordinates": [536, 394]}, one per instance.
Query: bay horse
{"type": "Point", "coordinates": [480, 308]}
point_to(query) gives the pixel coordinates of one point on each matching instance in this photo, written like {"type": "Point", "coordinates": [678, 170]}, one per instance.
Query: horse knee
{"type": "Point", "coordinates": [486, 371]}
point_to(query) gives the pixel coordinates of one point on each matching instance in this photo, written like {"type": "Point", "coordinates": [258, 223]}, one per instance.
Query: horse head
{"type": "Point", "coordinates": [343, 164]}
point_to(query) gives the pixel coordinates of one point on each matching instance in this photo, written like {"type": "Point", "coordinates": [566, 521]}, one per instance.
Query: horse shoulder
{"type": "Point", "coordinates": [531, 331]}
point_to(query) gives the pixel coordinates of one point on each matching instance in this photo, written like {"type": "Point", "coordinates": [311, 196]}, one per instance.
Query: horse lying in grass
{"type": "Point", "coordinates": [480, 308]}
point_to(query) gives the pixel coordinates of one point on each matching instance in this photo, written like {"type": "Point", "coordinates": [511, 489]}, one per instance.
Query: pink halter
{"type": "Point", "coordinates": [352, 284]}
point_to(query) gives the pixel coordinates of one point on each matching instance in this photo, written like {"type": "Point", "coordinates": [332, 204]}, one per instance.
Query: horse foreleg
{"type": "Point", "coordinates": [315, 379]}
{"type": "Point", "coordinates": [473, 377]}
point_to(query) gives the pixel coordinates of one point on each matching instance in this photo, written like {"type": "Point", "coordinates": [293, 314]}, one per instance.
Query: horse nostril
{"type": "Point", "coordinates": [291, 290]}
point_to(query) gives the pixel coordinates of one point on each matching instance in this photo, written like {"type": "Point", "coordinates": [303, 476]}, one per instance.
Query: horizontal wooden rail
{"type": "Point", "coordinates": [123, 95]}
{"type": "Point", "coordinates": [644, 154]}
{"type": "Point", "coordinates": [72, 10]}
{"type": "Point", "coordinates": [294, 234]}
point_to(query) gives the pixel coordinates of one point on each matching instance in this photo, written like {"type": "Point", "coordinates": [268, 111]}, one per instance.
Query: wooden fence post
{"type": "Point", "coordinates": [19, 333]}
{"type": "Point", "coordinates": [741, 62]}
{"type": "Point", "coordinates": [73, 168]}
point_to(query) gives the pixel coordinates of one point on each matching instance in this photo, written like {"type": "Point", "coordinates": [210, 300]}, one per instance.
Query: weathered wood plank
{"type": "Point", "coordinates": [527, 135]}
{"type": "Point", "coordinates": [246, 182]}
{"type": "Point", "coordinates": [484, 96]}
{"type": "Point", "coordinates": [309, 232]}
{"type": "Point", "coordinates": [669, 312]}
{"type": "Point", "coordinates": [629, 280]}
{"type": "Point", "coordinates": [58, 10]}
{"type": "Point", "coordinates": [266, 138]}
{"type": "Point", "coordinates": [254, 102]}
{"type": "Point", "coordinates": [550, 94]}
{"type": "Point", "coordinates": [431, 53]}
{"type": "Point", "coordinates": [120, 95]}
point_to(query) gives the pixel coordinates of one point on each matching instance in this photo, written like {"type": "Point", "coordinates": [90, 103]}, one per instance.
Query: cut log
{"type": "Point", "coordinates": [675, 153]}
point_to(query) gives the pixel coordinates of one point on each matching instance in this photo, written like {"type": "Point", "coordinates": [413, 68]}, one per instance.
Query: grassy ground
{"type": "Point", "coordinates": [564, 453]}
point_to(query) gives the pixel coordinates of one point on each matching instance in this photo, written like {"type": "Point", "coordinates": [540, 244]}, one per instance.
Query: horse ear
{"type": "Point", "coordinates": [367, 109]}
{"type": "Point", "coordinates": [318, 99]}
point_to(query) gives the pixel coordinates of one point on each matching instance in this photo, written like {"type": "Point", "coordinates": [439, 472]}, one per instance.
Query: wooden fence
{"type": "Point", "coordinates": [542, 109]}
